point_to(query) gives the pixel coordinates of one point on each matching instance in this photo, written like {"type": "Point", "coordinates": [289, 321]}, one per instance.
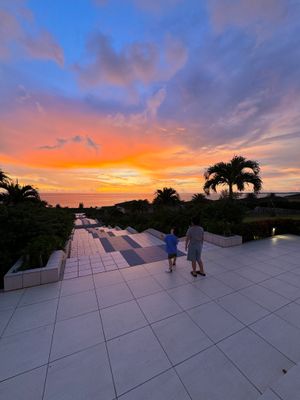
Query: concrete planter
{"type": "Point", "coordinates": [131, 230]}
{"type": "Point", "coordinates": [15, 279]}
{"type": "Point", "coordinates": [154, 232]}
{"type": "Point", "coordinates": [218, 240]}
{"type": "Point", "coordinates": [223, 241]}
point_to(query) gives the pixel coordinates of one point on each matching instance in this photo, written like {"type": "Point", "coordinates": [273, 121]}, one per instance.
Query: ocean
{"type": "Point", "coordinates": [108, 199]}
{"type": "Point", "coordinates": [97, 199]}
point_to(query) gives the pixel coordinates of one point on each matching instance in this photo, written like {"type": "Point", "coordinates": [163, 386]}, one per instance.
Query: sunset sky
{"type": "Point", "coordinates": [135, 95]}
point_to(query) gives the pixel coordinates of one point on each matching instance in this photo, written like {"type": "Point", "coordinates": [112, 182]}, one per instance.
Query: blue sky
{"type": "Point", "coordinates": [173, 83]}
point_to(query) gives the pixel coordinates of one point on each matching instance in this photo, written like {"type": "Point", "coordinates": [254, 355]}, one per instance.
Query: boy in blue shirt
{"type": "Point", "coordinates": [171, 241]}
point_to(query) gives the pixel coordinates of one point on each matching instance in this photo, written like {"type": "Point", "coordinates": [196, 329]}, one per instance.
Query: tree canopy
{"type": "Point", "coordinates": [238, 172]}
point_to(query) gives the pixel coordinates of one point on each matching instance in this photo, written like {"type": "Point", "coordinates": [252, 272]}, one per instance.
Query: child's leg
{"type": "Point", "coordinates": [174, 260]}
{"type": "Point", "coordinates": [170, 264]}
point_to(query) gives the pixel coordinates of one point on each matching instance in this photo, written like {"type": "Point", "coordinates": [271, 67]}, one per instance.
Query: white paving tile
{"type": "Point", "coordinates": [5, 316]}
{"type": "Point", "coordinates": [83, 375]}
{"type": "Point", "coordinates": [77, 285]}
{"type": "Point", "coordinates": [269, 395]}
{"type": "Point", "coordinates": [212, 287]}
{"type": "Point", "coordinates": [290, 313]}
{"type": "Point", "coordinates": [290, 277]}
{"type": "Point", "coordinates": [135, 358]}
{"type": "Point", "coordinates": [76, 304]}
{"type": "Point", "coordinates": [215, 321]}
{"type": "Point", "coordinates": [180, 337]}
{"type": "Point", "coordinates": [122, 318]}
{"type": "Point", "coordinates": [24, 351]}
{"type": "Point", "coordinates": [10, 299]}
{"type": "Point", "coordinates": [113, 294]}
{"type": "Point", "coordinates": [281, 334]}
{"type": "Point", "coordinates": [252, 274]}
{"type": "Point", "coordinates": [210, 375]}
{"type": "Point", "coordinates": [257, 359]}
{"type": "Point", "coordinates": [244, 309]}
{"type": "Point", "coordinates": [265, 297]}
{"type": "Point", "coordinates": [288, 387]}
{"type": "Point", "coordinates": [107, 279]}
{"type": "Point", "coordinates": [165, 386]}
{"type": "Point", "coordinates": [233, 280]}
{"type": "Point", "coordinates": [76, 334]}
{"type": "Point", "coordinates": [158, 306]}
{"type": "Point", "coordinates": [144, 286]}
{"type": "Point", "coordinates": [32, 316]}
{"type": "Point", "coordinates": [283, 288]}
{"type": "Point", "coordinates": [40, 293]}
{"type": "Point", "coordinates": [187, 296]}
{"type": "Point", "coordinates": [132, 273]}
{"type": "Point", "coordinates": [27, 386]}
{"type": "Point", "coordinates": [169, 281]}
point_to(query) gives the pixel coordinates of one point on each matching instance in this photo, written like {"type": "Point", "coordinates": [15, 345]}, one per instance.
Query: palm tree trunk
{"type": "Point", "coordinates": [230, 191]}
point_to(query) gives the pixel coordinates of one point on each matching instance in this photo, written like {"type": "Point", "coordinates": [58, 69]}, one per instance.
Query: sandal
{"type": "Point", "coordinates": [194, 274]}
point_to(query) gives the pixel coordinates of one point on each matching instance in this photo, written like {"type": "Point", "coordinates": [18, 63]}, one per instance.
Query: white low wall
{"type": "Point", "coordinates": [223, 241]}
{"type": "Point", "coordinates": [218, 240]}
{"type": "Point", "coordinates": [131, 230]}
{"type": "Point", "coordinates": [15, 279]}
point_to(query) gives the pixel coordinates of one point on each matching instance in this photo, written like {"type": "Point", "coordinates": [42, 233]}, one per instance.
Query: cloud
{"type": "Point", "coordinates": [144, 118]}
{"type": "Point", "coordinates": [257, 16]}
{"type": "Point", "coordinates": [61, 142]}
{"type": "Point", "coordinates": [77, 139]}
{"type": "Point", "coordinates": [91, 143]}
{"type": "Point", "coordinates": [26, 36]}
{"type": "Point", "coordinates": [138, 62]}
{"type": "Point", "coordinates": [43, 46]}
{"type": "Point", "coordinates": [156, 7]}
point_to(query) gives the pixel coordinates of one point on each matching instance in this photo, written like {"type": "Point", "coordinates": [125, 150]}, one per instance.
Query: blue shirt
{"type": "Point", "coordinates": [171, 243]}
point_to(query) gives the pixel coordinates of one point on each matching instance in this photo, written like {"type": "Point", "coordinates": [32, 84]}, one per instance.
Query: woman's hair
{"type": "Point", "coordinates": [195, 221]}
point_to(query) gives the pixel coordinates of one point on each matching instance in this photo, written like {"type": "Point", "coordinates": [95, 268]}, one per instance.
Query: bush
{"type": "Point", "coordinates": [33, 231]}
{"type": "Point", "coordinates": [264, 228]}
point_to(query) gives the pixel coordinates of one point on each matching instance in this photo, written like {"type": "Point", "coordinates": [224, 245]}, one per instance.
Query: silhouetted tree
{"type": "Point", "coordinates": [238, 172]}
{"type": "Point", "coordinates": [15, 193]}
{"type": "Point", "coordinates": [166, 197]}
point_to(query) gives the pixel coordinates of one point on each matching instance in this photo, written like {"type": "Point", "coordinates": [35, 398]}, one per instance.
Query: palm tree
{"type": "Point", "coordinates": [15, 193]}
{"type": "Point", "coordinates": [198, 198]}
{"type": "Point", "coordinates": [166, 197]}
{"type": "Point", "coordinates": [238, 172]}
{"type": "Point", "coordinates": [3, 177]}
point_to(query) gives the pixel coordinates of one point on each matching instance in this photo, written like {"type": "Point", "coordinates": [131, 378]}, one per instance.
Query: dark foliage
{"type": "Point", "coordinates": [33, 231]}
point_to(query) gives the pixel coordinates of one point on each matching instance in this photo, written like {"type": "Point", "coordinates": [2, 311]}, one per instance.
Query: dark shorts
{"type": "Point", "coordinates": [194, 253]}
{"type": "Point", "coordinates": [172, 255]}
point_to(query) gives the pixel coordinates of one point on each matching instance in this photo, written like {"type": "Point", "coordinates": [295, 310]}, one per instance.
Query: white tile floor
{"type": "Point", "coordinates": [140, 333]}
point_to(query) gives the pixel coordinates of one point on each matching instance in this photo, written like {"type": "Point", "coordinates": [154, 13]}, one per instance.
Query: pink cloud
{"type": "Point", "coordinates": [35, 43]}
{"type": "Point", "coordinates": [43, 46]}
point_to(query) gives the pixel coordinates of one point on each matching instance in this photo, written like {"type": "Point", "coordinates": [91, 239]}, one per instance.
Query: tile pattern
{"type": "Point", "coordinates": [135, 332]}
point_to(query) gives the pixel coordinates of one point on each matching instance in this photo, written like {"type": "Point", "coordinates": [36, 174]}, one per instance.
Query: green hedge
{"type": "Point", "coordinates": [32, 231]}
{"type": "Point", "coordinates": [264, 228]}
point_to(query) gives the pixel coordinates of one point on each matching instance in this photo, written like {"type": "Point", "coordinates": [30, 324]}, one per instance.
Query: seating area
{"type": "Point", "coordinates": [113, 329]}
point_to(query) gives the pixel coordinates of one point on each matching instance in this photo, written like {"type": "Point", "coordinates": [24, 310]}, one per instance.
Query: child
{"type": "Point", "coordinates": [171, 241]}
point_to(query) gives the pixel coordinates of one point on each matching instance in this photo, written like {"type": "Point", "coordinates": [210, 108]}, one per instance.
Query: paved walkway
{"type": "Point", "coordinates": [137, 332]}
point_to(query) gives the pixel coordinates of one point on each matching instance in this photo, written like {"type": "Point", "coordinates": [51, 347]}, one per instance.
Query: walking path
{"type": "Point", "coordinates": [110, 331]}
